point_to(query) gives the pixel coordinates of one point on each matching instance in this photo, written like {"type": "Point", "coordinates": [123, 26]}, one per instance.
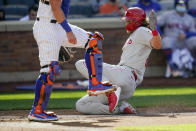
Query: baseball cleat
{"type": "Point", "coordinates": [44, 116]}
{"type": "Point", "coordinates": [103, 89]}
{"type": "Point", "coordinates": [126, 108]}
{"type": "Point", "coordinates": [113, 99]}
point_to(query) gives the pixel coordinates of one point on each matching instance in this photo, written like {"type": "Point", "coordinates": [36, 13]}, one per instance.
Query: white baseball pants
{"type": "Point", "coordinates": [51, 36]}
{"type": "Point", "coordinates": [121, 76]}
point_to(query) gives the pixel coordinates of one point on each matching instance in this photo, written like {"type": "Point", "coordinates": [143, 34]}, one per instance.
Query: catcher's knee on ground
{"type": "Point", "coordinates": [44, 86]}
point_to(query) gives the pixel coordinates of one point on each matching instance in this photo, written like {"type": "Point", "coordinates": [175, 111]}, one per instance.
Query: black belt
{"type": "Point", "coordinates": [45, 2]}
{"type": "Point", "coordinates": [88, 41]}
{"type": "Point", "coordinates": [51, 21]}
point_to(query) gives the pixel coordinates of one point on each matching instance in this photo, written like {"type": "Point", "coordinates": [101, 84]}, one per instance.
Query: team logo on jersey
{"type": "Point", "coordinates": [130, 42]}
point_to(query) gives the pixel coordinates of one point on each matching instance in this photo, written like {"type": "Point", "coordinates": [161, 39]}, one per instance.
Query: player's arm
{"type": "Point", "coordinates": [60, 17]}
{"type": "Point", "coordinates": [156, 39]}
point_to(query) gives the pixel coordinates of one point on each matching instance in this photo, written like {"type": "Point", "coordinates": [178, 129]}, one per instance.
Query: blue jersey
{"type": "Point", "coordinates": [153, 5]}
{"type": "Point", "coordinates": [65, 7]}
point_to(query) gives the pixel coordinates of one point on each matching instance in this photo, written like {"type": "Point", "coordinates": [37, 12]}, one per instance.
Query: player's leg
{"type": "Point", "coordinates": [169, 45]}
{"type": "Point", "coordinates": [191, 45]}
{"type": "Point", "coordinates": [81, 67]}
{"type": "Point", "coordinates": [119, 75]}
{"type": "Point", "coordinates": [99, 104]}
{"type": "Point", "coordinates": [126, 108]}
{"type": "Point", "coordinates": [94, 60]}
{"type": "Point", "coordinates": [126, 93]}
{"type": "Point", "coordinates": [95, 105]}
{"type": "Point", "coordinates": [48, 54]}
{"type": "Point", "coordinates": [127, 80]}
{"type": "Point", "coordinates": [110, 73]}
{"type": "Point", "coordinates": [113, 97]}
{"type": "Point", "coordinates": [93, 57]}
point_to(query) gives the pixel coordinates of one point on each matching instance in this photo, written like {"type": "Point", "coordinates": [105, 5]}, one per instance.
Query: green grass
{"type": "Point", "coordinates": [143, 97]}
{"type": "Point", "coordinates": [182, 127]}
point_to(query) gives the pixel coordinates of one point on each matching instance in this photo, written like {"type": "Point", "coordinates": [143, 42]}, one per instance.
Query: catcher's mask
{"type": "Point", "coordinates": [134, 17]}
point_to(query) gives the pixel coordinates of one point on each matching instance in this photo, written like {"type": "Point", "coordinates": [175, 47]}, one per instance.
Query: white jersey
{"type": "Point", "coordinates": [176, 24]}
{"type": "Point", "coordinates": [136, 51]}
{"type": "Point", "coordinates": [51, 36]}
{"type": "Point", "coordinates": [45, 11]}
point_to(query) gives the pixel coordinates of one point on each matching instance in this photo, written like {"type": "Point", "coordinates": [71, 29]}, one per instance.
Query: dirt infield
{"type": "Point", "coordinates": [70, 120]}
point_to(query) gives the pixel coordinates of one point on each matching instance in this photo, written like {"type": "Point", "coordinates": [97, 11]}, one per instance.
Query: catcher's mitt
{"type": "Point", "coordinates": [152, 20]}
{"type": "Point", "coordinates": [65, 54]}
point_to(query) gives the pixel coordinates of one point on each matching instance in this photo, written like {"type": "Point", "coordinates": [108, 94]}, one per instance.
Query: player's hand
{"type": "Point", "coordinates": [181, 37]}
{"type": "Point", "coordinates": [71, 37]}
{"type": "Point", "coordinates": [152, 20]}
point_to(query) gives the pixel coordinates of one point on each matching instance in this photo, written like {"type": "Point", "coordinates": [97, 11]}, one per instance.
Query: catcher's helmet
{"type": "Point", "coordinates": [137, 15]}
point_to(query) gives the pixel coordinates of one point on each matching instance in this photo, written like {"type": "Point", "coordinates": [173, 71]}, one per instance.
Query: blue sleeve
{"type": "Point", "coordinates": [192, 12]}
{"type": "Point", "coordinates": [156, 6]}
{"type": "Point", "coordinates": [190, 34]}
{"type": "Point", "coordinates": [65, 7]}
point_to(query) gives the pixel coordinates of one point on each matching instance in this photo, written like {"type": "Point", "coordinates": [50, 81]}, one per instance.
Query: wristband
{"type": "Point", "coordinates": [155, 33]}
{"type": "Point", "coordinates": [66, 26]}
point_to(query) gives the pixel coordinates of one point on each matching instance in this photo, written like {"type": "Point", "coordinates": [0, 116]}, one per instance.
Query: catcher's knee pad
{"type": "Point", "coordinates": [43, 87]}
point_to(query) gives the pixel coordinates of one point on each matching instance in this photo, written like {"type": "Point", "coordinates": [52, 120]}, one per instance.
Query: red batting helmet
{"type": "Point", "coordinates": [137, 15]}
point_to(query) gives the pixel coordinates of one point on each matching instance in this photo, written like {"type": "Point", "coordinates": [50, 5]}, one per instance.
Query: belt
{"type": "Point", "coordinates": [45, 2]}
{"type": "Point", "coordinates": [134, 74]}
{"type": "Point", "coordinates": [51, 21]}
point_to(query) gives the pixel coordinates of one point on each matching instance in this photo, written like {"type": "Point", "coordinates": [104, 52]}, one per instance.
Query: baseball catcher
{"type": "Point", "coordinates": [53, 33]}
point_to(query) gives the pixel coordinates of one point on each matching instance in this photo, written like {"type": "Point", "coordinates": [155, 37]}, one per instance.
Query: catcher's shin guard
{"type": "Point", "coordinates": [93, 59]}
{"type": "Point", "coordinates": [43, 87]}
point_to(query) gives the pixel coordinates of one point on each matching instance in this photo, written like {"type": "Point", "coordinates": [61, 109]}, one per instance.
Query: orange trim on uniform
{"type": "Point", "coordinates": [38, 109]}
{"type": "Point", "coordinates": [92, 44]}
{"type": "Point", "coordinates": [54, 70]}
{"type": "Point", "coordinates": [49, 82]}
{"type": "Point", "coordinates": [99, 51]}
{"type": "Point", "coordinates": [48, 77]}
{"type": "Point", "coordinates": [94, 80]}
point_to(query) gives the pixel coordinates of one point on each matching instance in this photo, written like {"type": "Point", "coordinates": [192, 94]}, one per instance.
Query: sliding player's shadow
{"type": "Point", "coordinates": [79, 123]}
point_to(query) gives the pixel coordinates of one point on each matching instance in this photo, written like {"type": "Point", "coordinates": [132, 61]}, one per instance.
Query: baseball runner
{"type": "Point", "coordinates": [130, 70]}
{"type": "Point", "coordinates": [179, 30]}
{"type": "Point", "coordinates": [51, 31]}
